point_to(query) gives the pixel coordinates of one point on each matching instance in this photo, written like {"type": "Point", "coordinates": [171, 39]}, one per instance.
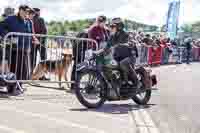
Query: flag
{"type": "Point", "coordinates": [173, 18]}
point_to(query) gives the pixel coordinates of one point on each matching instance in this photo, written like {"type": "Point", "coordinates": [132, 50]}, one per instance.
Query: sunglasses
{"type": "Point", "coordinates": [113, 26]}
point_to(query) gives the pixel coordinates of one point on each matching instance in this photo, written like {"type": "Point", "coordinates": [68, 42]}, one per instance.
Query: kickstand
{"type": "Point", "coordinates": [20, 87]}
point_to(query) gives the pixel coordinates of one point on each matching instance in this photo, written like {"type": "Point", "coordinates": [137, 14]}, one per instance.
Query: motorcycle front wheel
{"type": "Point", "coordinates": [89, 89]}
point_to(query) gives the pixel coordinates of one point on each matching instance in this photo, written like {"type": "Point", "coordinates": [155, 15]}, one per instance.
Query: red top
{"type": "Point", "coordinates": [163, 44]}
{"type": "Point", "coordinates": [98, 33]}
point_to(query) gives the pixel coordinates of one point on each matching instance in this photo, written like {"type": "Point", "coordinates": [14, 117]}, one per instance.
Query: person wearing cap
{"type": "Point", "coordinates": [14, 23]}
{"type": "Point", "coordinates": [40, 28]}
{"type": "Point", "coordinates": [98, 31]}
{"type": "Point", "coordinates": [30, 29]}
{"type": "Point", "coordinates": [125, 52]}
{"type": "Point", "coordinates": [39, 23]}
{"type": "Point", "coordinates": [20, 50]}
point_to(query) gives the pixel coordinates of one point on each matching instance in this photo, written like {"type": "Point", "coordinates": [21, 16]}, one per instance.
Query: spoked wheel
{"type": "Point", "coordinates": [143, 97]}
{"type": "Point", "coordinates": [89, 89]}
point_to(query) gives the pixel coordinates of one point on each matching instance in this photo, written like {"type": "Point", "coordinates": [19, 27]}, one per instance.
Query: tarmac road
{"type": "Point", "coordinates": [174, 108]}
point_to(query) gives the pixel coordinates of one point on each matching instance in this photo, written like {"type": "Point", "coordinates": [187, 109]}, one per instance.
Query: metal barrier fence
{"type": "Point", "coordinates": [20, 55]}
{"type": "Point", "coordinates": [160, 56]}
{"type": "Point", "coordinates": [163, 56]}
{"type": "Point", "coordinates": [143, 55]}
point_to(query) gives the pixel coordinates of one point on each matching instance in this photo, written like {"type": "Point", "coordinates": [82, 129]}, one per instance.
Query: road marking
{"type": "Point", "coordinates": [149, 122]}
{"type": "Point", "coordinates": [133, 128]}
{"type": "Point", "coordinates": [143, 122]}
{"type": "Point", "coordinates": [11, 130]}
{"type": "Point", "coordinates": [49, 118]}
{"type": "Point", "coordinates": [141, 128]}
{"type": "Point", "coordinates": [183, 118]}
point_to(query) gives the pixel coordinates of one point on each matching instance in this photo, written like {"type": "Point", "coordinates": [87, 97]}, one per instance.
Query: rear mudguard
{"type": "Point", "coordinates": [149, 80]}
{"type": "Point", "coordinates": [153, 80]}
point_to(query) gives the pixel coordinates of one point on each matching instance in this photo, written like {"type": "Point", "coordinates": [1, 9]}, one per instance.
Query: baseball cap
{"type": "Point", "coordinates": [101, 19]}
{"type": "Point", "coordinates": [23, 7]}
{"type": "Point", "coordinates": [31, 11]}
{"type": "Point", "coordinates": [116, 20]}
{"type": "Point", "coordinates": [36, 9]}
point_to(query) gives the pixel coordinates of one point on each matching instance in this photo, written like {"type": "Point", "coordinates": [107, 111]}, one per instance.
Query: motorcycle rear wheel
{"type": "Point", "coordinates": [144, 97]}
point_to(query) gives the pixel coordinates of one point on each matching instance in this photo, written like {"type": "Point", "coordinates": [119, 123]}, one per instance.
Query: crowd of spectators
{"type": "Point", "coordinates": [26, 20]}
{"type": "Point", "coordinates": [158, 44]}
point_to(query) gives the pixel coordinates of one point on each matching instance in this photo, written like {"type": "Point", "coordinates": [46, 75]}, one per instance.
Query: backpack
{"type": "Point", "coordinates": [11, 87]}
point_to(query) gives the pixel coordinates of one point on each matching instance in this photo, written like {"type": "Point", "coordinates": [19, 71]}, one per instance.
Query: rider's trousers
{"type": "Point", "coordinates": [127, 67]}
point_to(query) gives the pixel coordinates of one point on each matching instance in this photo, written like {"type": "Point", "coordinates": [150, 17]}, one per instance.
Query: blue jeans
{"type": "Point", "coordinates": [188, 56]}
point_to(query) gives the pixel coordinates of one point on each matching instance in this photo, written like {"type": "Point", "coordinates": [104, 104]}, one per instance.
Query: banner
{"type": "Point", "coordinates": [172, 19]}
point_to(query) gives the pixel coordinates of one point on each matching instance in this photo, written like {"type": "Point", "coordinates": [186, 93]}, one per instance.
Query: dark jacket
{"type": "Point", "coordinates": [122, 51]}
{"type": "Point", "coordinates": [15, 24]}
{"type": "Point", "coordinates": [119, 37]}
{"type": "Point", "coordinates": [12, 24]}
{"type": "Point", "coordinates": [39, 25]}
{"type": "Point", "coordinates": [188, 45]}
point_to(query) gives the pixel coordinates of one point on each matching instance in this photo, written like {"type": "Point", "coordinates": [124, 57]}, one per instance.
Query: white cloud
{"type": "Point", "coordinates": [3, 4]}
{"type": "Point", "coordinates": [146, 11]}
{"type": "Point", "coordinates": [189, 11]}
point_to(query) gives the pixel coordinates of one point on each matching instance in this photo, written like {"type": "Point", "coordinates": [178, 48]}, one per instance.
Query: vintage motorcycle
{"type": "Point", "coordinates": [94, 87]}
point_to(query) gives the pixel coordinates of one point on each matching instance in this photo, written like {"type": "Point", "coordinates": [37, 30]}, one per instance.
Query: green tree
{"type": "Point", "coordinates": [196, 26]}
{"type": "Point", "coordinates": [73, 26]}
{"type": "Point", "coordinates": [60, 28]}
{"type": "Point", "coordinates": [56, 28]}
{"type": "Point", "coordinates": [1, 18]}
{"type": "Point", "coordinates": [187, 28]}
{"type": "Point", "coordinates": [163, 28]}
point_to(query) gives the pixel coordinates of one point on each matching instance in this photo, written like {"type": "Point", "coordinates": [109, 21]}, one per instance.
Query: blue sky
{"type": "Point", "coordinates": [145, 11]}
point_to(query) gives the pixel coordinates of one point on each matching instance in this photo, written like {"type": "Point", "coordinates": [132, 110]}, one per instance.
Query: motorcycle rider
{"type": "Point", "coordinates": [124, 52]}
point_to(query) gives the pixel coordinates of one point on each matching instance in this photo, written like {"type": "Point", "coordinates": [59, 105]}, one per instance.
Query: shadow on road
{"type": "Point", "coordinates": [4, 95]}
{"type": "Point", "coordinates": [115, 108]}
{"type": "Point", "coordinates": [44, 97]}
{"type": "Point", "coordinates": [48, 87]}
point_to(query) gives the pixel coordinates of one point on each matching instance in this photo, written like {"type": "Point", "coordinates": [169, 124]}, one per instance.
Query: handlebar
{"type": "Point", "coordinates": [99, 52]}
{"type": "Point", "coordinates": [103, 52]}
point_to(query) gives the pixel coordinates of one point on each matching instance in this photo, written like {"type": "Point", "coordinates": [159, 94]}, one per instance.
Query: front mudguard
{"type": "Point", "coordinates": [85, 66]}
